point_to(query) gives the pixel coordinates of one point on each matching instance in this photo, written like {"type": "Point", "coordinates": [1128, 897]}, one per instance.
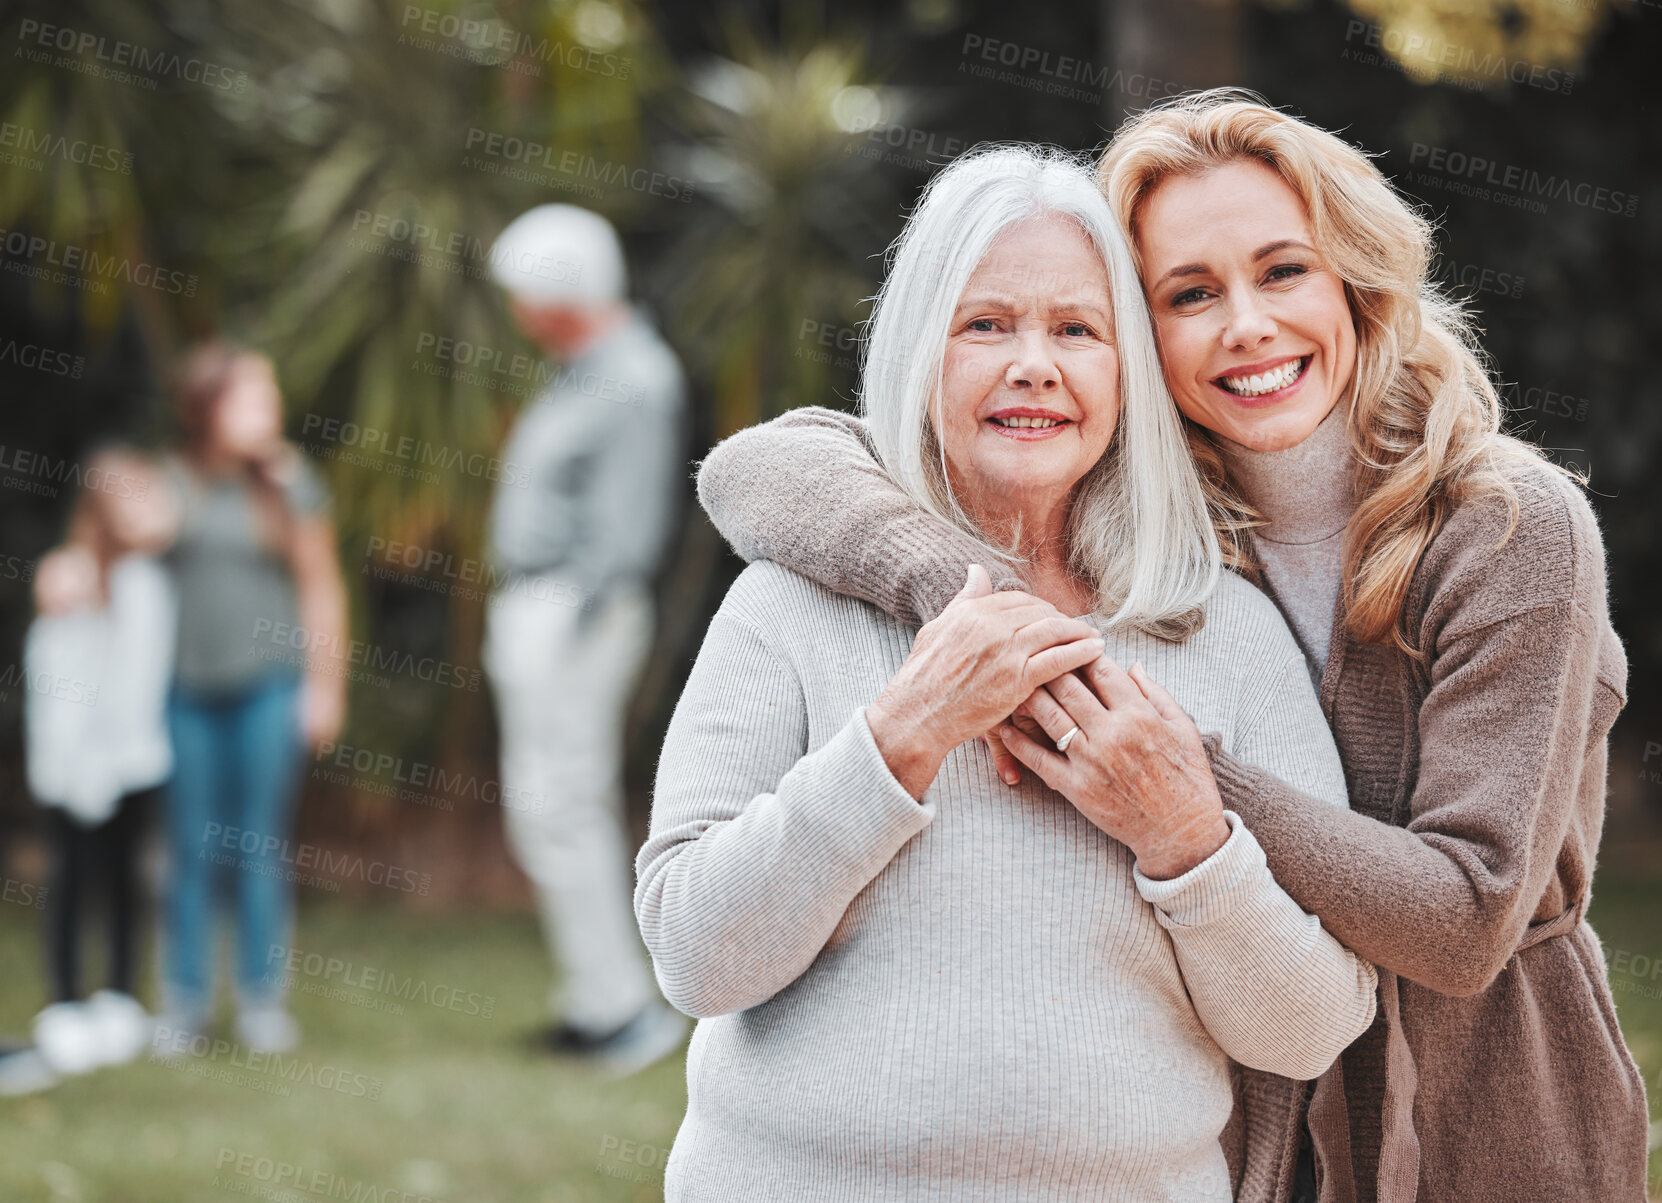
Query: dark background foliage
{"type": "Point", "coordinates": [795, 138]}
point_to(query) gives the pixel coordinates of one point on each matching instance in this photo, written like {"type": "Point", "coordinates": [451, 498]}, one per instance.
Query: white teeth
{"type": "Point", "coordinates": [1265, 382]}
{"type": "Point", "coordinates": [1025, 423]}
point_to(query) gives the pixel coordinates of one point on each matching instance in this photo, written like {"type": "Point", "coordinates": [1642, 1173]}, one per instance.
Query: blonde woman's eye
{"type": "Point", "coordinates": [1188, 297]}
{"type": "Point", "coordinates": [1287, 271]}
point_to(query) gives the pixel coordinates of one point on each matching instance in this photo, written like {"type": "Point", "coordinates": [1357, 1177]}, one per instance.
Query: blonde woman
{"type": "Point", "coordinates": [1448, 588]}
{"type": "Point", "coordinates": [910, 982]}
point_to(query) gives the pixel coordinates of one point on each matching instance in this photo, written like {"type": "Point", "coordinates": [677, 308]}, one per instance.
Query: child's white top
{"type": "Point", "coordinates": [96, 682]}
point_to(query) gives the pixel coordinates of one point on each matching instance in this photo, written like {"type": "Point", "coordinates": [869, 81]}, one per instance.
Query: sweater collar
{"type": "Point", "coordinates": [1305, 492]}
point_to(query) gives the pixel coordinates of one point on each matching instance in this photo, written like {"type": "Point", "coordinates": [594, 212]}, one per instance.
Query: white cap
{"type": "Point", "coordinates": [560, 255]}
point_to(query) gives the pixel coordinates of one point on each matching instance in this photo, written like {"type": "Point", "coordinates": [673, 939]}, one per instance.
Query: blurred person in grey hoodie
{"type": "Point", "coordinates": [577, 533]}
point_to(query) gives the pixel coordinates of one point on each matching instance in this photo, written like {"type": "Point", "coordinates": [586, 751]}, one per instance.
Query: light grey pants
{"type": "Point", "coordinates": [562, 680]}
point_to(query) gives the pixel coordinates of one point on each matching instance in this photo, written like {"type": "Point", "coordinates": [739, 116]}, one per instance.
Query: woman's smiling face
{"type": "Point", "coordinates": [1030, 383]}
{"type": "Point", "coordinates": [1256, 335]}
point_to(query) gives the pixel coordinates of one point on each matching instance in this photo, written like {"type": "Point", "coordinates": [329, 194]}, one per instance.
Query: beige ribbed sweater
{"type": "Point", "coordinates": [975, 997]}
{"type": "Point", "coordinates": [1497, 1071]}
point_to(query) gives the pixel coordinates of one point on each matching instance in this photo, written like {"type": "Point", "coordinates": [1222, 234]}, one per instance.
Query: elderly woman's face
{"type": "Point", "coordinates": [1030, 389]}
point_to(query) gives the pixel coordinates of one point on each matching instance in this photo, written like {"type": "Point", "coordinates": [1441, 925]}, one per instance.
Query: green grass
{"type": "Point", "coordinates": [465, 1114]}
{"type": "Point", "coordinates": [1627, 913]}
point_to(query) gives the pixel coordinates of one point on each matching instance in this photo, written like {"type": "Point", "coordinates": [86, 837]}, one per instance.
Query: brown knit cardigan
{"type": "Point", "coordinates": [1496, 1070]}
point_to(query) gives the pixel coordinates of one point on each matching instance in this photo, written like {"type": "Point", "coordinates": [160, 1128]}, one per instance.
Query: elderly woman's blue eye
{"type": "Point", "coordinates": [1076, 329]}
{"type": "Point", "coordinates": [981, 324]}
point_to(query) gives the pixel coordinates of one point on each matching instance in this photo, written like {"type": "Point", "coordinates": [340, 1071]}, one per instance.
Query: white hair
{"type": "Point", "coordinates": [1138, 528]}
{"type": "Point", "coordinates": [560, 255]}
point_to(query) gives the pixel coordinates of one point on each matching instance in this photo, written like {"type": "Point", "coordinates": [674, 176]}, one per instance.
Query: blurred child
{"type": "Point", "coordinates": [97, 663]}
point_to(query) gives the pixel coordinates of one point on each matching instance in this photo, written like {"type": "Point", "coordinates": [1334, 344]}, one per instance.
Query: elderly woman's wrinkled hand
{"type": "Point", "coordinates": [968, 669]}
{"type": "Point", "coordinates": [1133, 763]}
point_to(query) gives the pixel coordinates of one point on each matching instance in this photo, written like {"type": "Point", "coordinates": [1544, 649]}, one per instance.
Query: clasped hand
{"type": "Point", "coordinates": [1012, 665]}
{"type": "Point", "coordinates": [1136, 767]}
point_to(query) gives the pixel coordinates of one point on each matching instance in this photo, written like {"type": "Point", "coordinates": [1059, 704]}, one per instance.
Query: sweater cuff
{"type": "Point", "coordinates": [873, 778]}
{"type": "Point", "coordinates": [1211, 890]}
{"type": "Point", "coordinates": [849, 808]}
{"type": "Point", "coordinates": [1230, 772]}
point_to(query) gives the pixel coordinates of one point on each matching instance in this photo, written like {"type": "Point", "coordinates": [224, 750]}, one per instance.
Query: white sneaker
{"type": "Point", "coordinates": [25, 1072]}
{"type": "Point", "coordinates": [174, 1036]}
{"type": "Point", "coordinates": [122, 1026]}
{"type": "Point", "coordinates": [650, 1037]}
{"type": "Point", "coordinates": [267, 1029]}
{"type": "Point", "coordinates": [67, 1040]}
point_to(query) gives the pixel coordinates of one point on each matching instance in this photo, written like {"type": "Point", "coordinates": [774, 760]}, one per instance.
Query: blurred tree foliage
{"type": "Point", "coordinates": [321, 168]}
{"type": "Point", "coordinates": [771, 137]}
{"type": "Point", "coordinates": [315, 197]}
{"type": "Point", "coordinates": [329, 191]}
{"type": "Point", "coordinates": [328, 176]}
{"type": "Point", "coordinates": [1486, 43]}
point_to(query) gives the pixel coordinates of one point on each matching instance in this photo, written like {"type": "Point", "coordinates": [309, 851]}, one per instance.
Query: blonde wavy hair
{"type": "Point", "coordinates": [1424, 417]}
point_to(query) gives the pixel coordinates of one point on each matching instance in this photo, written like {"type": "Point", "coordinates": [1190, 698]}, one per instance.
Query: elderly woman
{"type": "Point", "coordinates": [912, 981]}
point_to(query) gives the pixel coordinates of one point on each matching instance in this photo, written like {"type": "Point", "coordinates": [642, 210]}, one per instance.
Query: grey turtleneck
{"type": "Point", "coordinates": [1305, 493]}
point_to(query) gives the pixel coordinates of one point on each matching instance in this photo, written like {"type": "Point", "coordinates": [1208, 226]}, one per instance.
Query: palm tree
{"type": "Point", "coordinates": [790, 225]}
{"type": "Point", "coordinates": [320, 198]}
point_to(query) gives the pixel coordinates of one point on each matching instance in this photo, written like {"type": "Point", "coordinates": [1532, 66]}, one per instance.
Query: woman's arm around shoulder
{"type": "Point", "coordinates": [806, 491]}
{"type": "Point", "coordinates": [1524, 677]}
